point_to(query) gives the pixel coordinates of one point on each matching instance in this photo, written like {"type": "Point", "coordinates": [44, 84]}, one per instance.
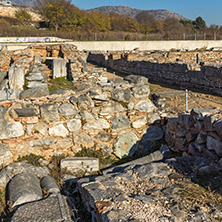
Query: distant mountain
{"type": "Point", "coordinates": [158, 14]}
{"type": "Point", "coordinates": [27, 3]}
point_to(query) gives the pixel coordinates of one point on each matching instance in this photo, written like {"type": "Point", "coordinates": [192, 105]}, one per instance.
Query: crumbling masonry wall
{"type": "Point", "coordinates": [197, 75]}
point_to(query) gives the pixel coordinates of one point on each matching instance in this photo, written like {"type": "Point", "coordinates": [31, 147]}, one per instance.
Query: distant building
{"type": "Point", "coordinates": [5, 3]}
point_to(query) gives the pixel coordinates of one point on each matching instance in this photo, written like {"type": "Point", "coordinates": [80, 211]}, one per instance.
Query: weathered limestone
{"type": "Point", "coordinates": [35, 92]}
{"type": "Point", "coordinates": [59, 68]}
{"type": "Point", "coordinates": [16, 77]}
{"type": "Point", "coordinates": [74, 164]}
{"type": "Point", "coordinates": [49, 112]}
{"type": "Point", "coordinates": [10, 130]}
{"type": "Point", "coordinates": [125, 144]}
{"type": "Point", "coordinates": [24, 188]}
{"type": "Point", "coordinates": [49, 184]}
{"type": "Point", "coordinates": [53, 208]}
{"type": "Point", "coordinates": [58, 130]}
{"type": "Point", "coordinates": [5, 155]}
{"type": "Point", "coordinates": [67, 109]}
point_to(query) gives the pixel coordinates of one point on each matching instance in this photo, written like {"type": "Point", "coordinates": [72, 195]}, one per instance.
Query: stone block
{"type": "Point", "coordinates": [5, 155]}
{"type": "Point", "coordinates": [12, 94]}
{"type": "Point", "coordinates": [75, 164]}
{"type": "Point", "coordinates": [48, 183]}
{"type": "Point", "coordinates": [35, 92]}
{"type": "Point", "coordinates": [153, 133]}
{"type": "Point", "coordinates": [25, 112]}
{"type": "Point", "coordinates": [140, 91]}
{"type": "Point", "coordinates": [37, 59]}
{"type": "Point", "coordinates": [67, 109]}
{"type": "Point", "coordinates": [59, 68]}
{"type": "Point", "coordinates": [58, 130]}
{"type": "Point", "coordinates": [2, 76]}
{"type": "Point", "coordinates": [125, 144]}
{"type": "Point", "coordinates": [120, 121]}
{"type": "Point", "coordinates": [121, 95]}
{"type": "Point", "coordinates": [145, 106]}
{"type": "Point", "coordinates": [16, 77]}
{"type": "Point", "coordinates": [213, 144]}
{"type": "Point", "coordinates": [49, 112]}
{"type": "Point", "coordinates": [10, 130]}
{"type": "Point", "coordinates": [73, 125]}
{"type": "Point", "coordinates": [98, 125]}
{"type": "Point", "coordinates": [53, 208]}
{"type": "Point", "coordinates": [24, 188]}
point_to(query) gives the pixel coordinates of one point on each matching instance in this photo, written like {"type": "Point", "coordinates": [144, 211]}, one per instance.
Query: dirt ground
{"type": "Point", "coordinates": [175, 98]}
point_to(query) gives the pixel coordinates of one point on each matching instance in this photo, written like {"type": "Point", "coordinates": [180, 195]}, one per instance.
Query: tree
{"type": "Point", "coordinates": [55, 12]}
{"type": "Point", "coordinates": [173, 26]}
{"type": "Point", "coordinates": [147, 21]}
{"type": "Point", "coordinates": [199, 23]}
{"type": "Point", "coordinates": [23, 16]}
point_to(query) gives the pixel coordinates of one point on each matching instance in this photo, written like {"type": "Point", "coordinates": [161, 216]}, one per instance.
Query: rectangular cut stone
{"type": "Point", "coordinates": [37, 59]}
{"type": "Point", "coordinates": [75, 164]}
{"type": "Point", "coordinates": [59, 68]}
{"type": "Point", "coordinates": [16, 77]}
{"type": "Point", "coordinates": [32, 119]}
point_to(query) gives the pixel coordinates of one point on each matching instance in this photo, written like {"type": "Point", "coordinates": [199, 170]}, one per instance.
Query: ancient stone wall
{"type": "Point", "coordinates": [197, 134]}
{"type": "Point", "coordinates": [197, 75]}
{"type": "Point", "coordinates": [105, 115]}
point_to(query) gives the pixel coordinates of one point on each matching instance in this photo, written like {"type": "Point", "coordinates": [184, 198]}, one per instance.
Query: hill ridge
{"type": "Point", "coordinates": [159, 14]}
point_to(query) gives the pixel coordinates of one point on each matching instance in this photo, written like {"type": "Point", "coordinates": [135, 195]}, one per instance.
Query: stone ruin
{"type": "Point", "coordinates": [114, 115]}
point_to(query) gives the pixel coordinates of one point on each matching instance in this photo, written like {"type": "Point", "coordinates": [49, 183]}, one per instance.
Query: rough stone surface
{"type": "Point", "coordinates": [153, 133]}
{"type": "Point", "coordinates": [120, 121]}
{"type": "Point", "coordinates": [59, 68]}
{"type": "Point", "coordinates": [10, 129]}
{"type": "Point", "coordinates": [67, 109]}
{"type": "Point", "coordinates": [139, 122]}
{"type": "Point", "coordinates": [49, 184]}
{"type": "Point", "coordinates": [140, 91]}
{"type": "Point", "coordinates": [53, 208]}
{"type": "Point", "coordinates": [5, 155]}
{"type": "Point", "coordinates": [15, 168]}
{"type": "Point", "coordinates": [25, 112]}
{"type": "Point", "coordinates": [121, 95]}
{"type": "Point", "coordinates": [58, 130]}
{"type": "Point", "coordinates": [145, 106]}
{"type": "Point", "coordinates": [73, 124]}
{"type": "Point", "coordinates": [83, 139]}
{"type": "Point", "coordinates": [98, 125]}
{"type": "Point", "coordinates": [85, 102]}
{"type": "Point", "coordinates": [34, 92]}
{"type": "Point", "coordinates": [16, 77]}
{"type": "Point", "coordinates": [24, 188]}
{"type": "Point", "coordinates": [125, 144]}
{"type": "Point", "coordinates": [49, 112]}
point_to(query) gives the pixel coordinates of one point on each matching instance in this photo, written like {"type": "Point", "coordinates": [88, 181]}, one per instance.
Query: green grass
{"type": "Point", "coordinates": [60, 83]}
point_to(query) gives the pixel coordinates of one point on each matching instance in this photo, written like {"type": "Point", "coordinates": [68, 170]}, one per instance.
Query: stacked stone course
{"type": "Point", "coordinates": [187, 69]}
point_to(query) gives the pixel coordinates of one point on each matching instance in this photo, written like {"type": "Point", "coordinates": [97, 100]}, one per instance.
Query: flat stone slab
{"type": "Point", "coordinates": [54, 208]}
{"type": "Point", "coordinates": [75, 164]}
{"type": "Point", "coordinates": [24, 188]}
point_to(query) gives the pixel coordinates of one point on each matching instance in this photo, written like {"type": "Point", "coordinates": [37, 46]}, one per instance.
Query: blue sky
{"type": "Point", "coordinates": [209, 10]}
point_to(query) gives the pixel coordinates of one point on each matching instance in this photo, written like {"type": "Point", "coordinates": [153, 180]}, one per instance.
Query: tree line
{"type": "Point", "coordinates": [61, 16]}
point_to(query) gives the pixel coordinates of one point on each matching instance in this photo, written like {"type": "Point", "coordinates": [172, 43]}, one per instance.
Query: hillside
{"type": "Point", "coordinates": [158, 14]}
{"type": "Point", "coordinates": [10, 12]}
